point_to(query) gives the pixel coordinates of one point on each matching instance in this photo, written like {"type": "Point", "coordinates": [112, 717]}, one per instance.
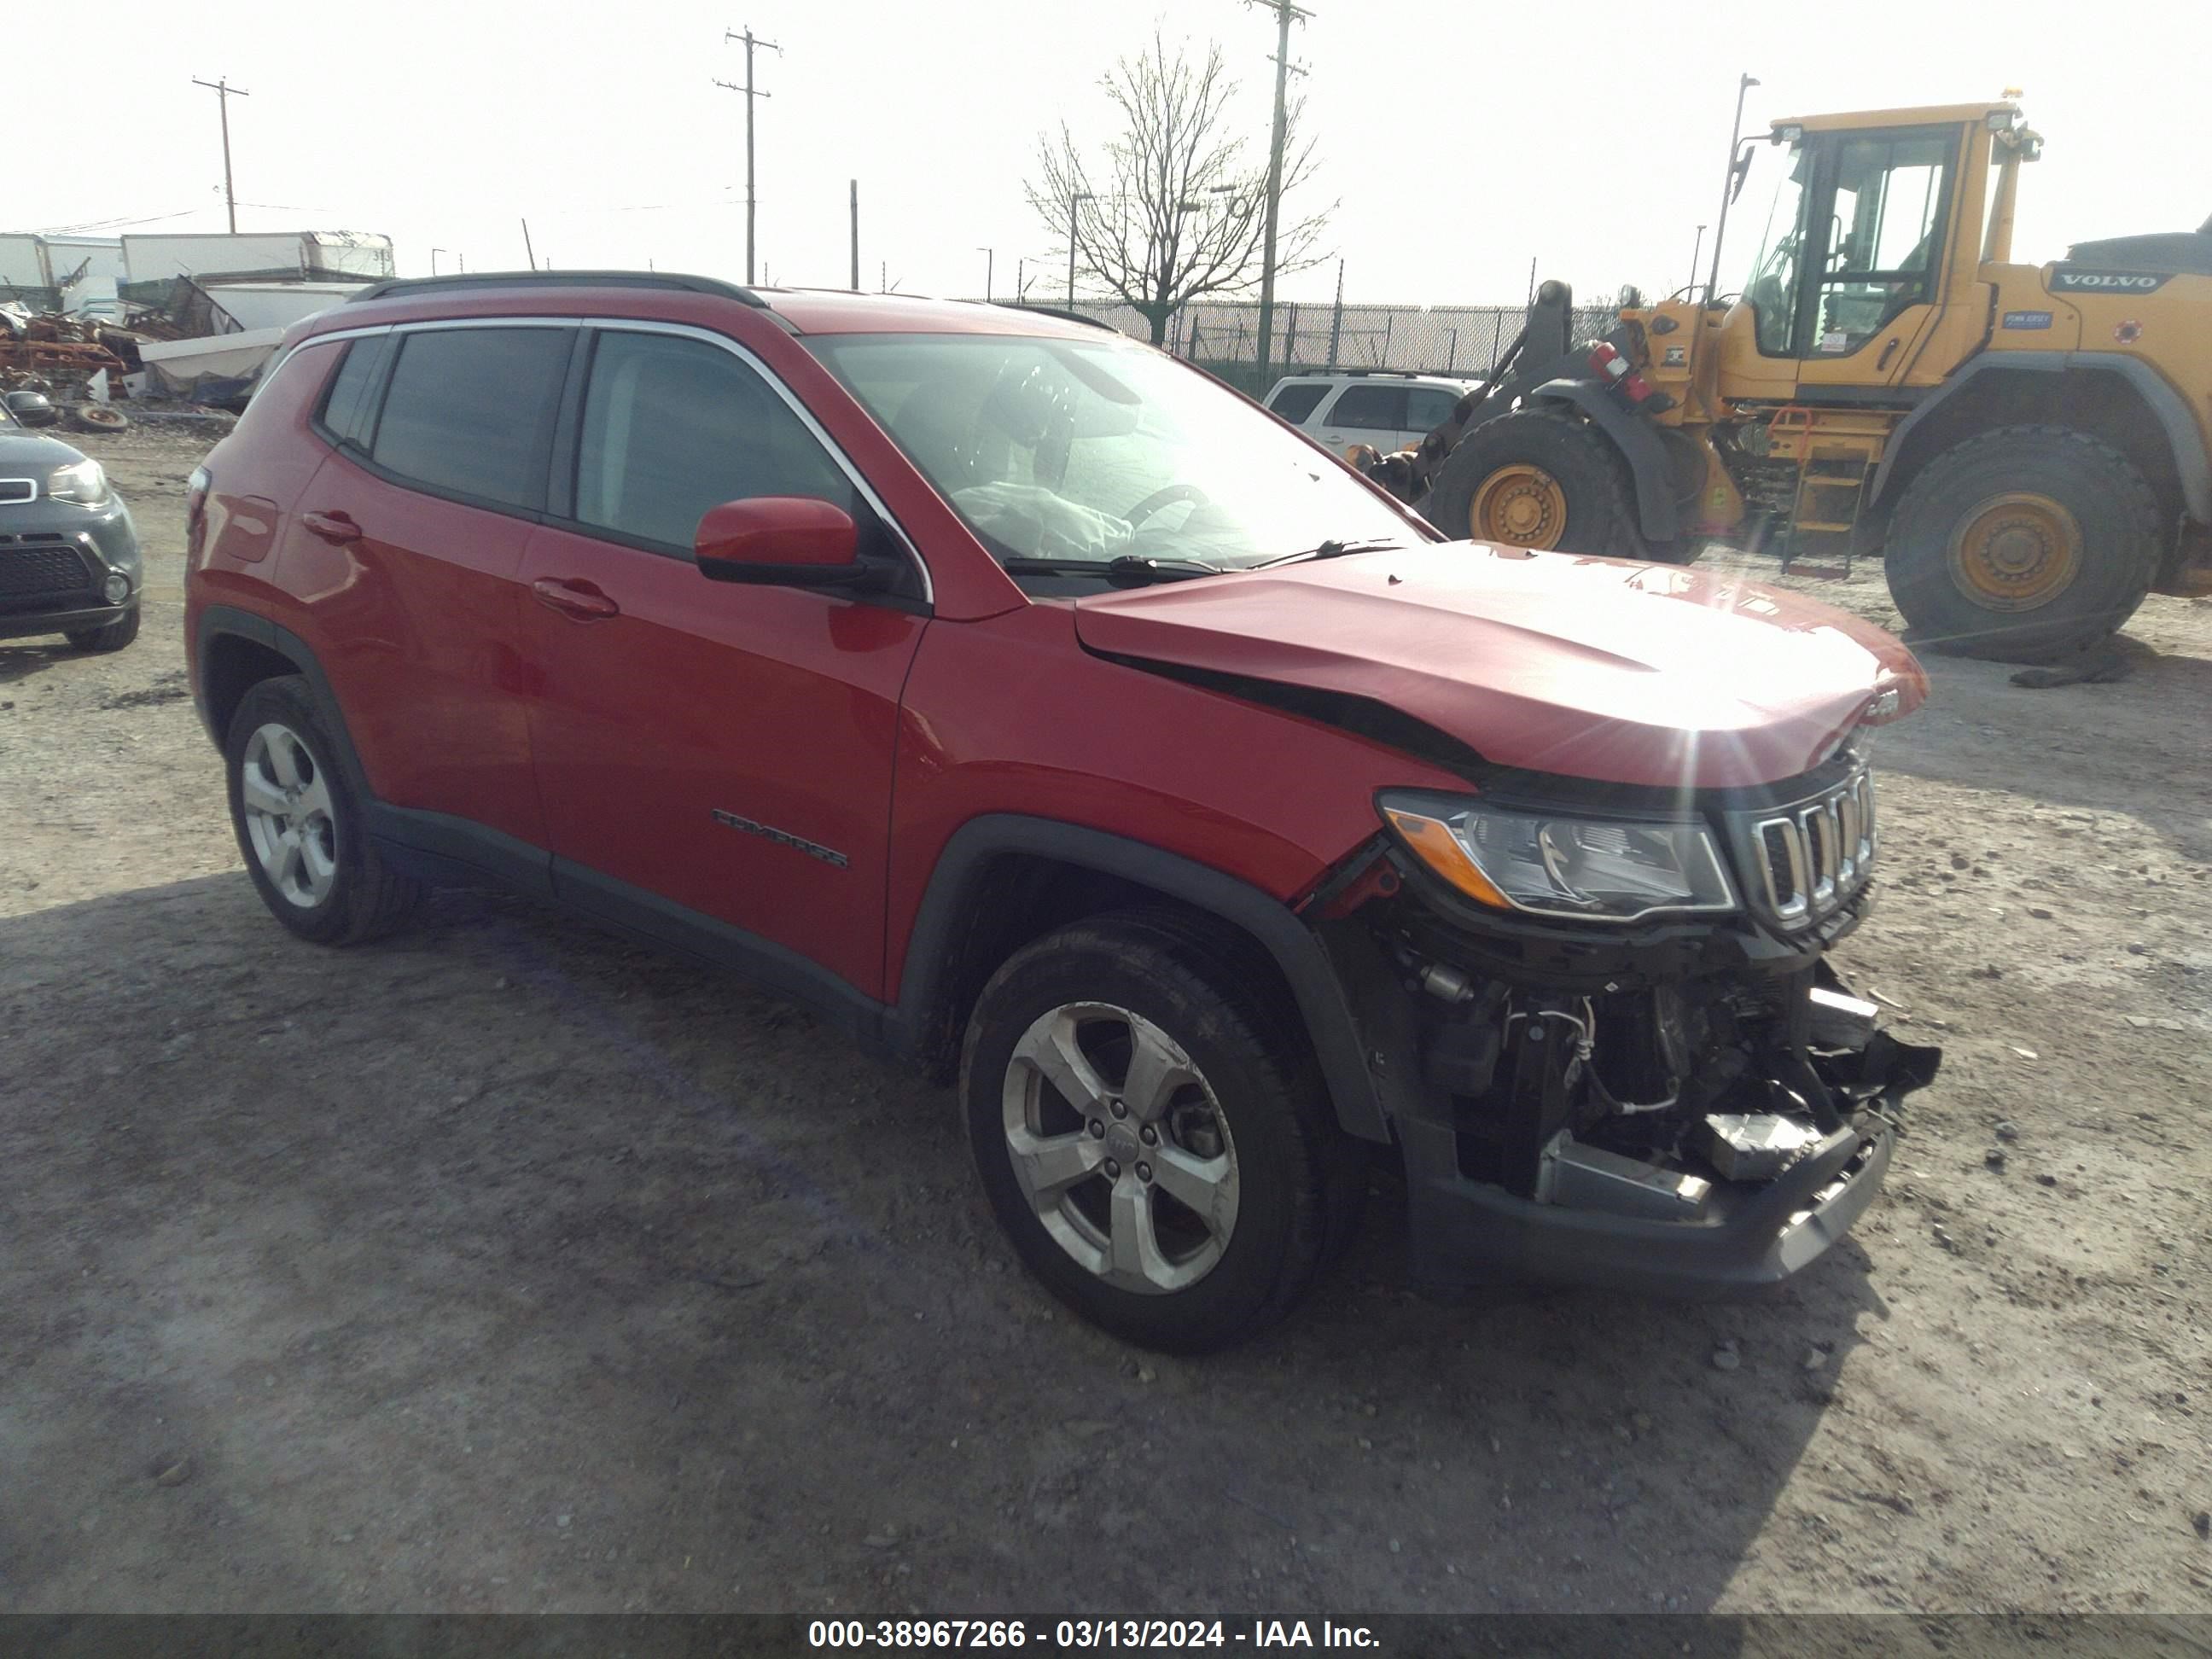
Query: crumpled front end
{"type": "Point", "coordinates": [1693, 1105]}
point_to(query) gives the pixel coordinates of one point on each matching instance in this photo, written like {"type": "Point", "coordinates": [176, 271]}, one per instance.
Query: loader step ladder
{"type": "Point", "coordinates": [1836, 451]}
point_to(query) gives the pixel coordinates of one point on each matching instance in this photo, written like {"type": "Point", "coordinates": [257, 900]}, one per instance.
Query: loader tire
{"type": "Point", "coordinates": [2028, 543]}
{"type": "Point", "coordinates": [1538, 480]}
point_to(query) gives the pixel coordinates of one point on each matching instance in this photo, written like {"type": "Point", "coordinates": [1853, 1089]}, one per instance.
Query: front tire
{"type": "Point", "coordinates": [2023, 544]}
{"type": "Point", "coordinates": [111, 637]}
{"type": "Point", "coordinates": [1541, 480]}
{"type": "Point", "coordinates": [299, 823]}
{"type": "Point", "coordinates": [1153, 1133]}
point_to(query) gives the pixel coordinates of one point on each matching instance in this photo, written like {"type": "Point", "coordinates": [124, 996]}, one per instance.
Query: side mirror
{"type": "Point", "coordinates": [783, 541]}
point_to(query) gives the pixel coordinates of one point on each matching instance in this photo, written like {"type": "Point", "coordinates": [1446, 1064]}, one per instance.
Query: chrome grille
{"type": "Point", "coordinates": [1816, 855]}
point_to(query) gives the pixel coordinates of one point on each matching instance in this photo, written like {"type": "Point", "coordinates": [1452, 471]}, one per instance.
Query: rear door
{"type": "Point", "coordinates": [1365, 412]}
{"type": "Point", "coordinates": [404, 556]}
{"type": "Point", "coordinates": [708, 751]}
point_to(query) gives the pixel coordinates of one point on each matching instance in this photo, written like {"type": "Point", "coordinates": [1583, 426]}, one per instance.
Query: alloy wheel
{"type": "Point", "coordinates": [1121, 1148]}
{"type": "Point", "coordinates": [288, 815]}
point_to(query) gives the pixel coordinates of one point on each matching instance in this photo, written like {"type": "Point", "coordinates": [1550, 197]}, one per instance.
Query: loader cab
{"type": "Point", "coordinates": [1860, 237]}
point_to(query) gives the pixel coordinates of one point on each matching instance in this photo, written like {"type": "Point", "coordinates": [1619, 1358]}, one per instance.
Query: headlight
{"type": "Point", "coordinates": [1588, 868]}
{"type": "Point", "coordinates": [82, 482]}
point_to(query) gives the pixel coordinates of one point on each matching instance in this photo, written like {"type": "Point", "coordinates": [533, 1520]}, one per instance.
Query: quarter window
{"type": "Point", "coordinates": [346, 407]}
{"type": "Point", "coordinates": [1371, 409]}
{"type": "Point", "coordinates": [469, 407]}
{"type": "Point", "coordinates": [674, 427]}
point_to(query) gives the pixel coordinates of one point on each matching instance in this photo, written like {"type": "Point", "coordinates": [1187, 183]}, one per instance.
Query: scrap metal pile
{"type": "Point", "coordinates": [44, 353]}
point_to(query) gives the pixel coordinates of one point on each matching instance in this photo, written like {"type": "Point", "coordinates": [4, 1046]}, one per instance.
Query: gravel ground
{"type": "Point", "coordinates": [504, 1266]}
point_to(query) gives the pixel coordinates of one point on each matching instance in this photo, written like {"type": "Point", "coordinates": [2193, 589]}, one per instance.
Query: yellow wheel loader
{"type": "Point", "coordinates": [2028, 449]}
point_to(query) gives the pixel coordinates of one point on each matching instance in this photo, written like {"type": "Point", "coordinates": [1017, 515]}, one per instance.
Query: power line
{"type": "Point", "coordinates": [224, 92]}
{"type": "Point", "coordinates": [752, 93]}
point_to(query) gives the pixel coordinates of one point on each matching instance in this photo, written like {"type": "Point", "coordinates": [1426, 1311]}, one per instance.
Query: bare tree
{"type": "Point", "coordinates": [1175, 204]}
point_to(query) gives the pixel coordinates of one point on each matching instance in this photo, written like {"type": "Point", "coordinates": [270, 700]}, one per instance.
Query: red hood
{"type": "Point", "coordinates": [1594, 668]}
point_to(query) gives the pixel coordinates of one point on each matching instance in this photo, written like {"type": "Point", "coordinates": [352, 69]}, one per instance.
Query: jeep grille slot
{"type": "Point", "coordinates": [1814, 855]}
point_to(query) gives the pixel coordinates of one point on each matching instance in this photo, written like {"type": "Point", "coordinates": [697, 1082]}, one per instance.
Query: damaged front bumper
{"type": "Point", "coordinates": [1692, 1108]}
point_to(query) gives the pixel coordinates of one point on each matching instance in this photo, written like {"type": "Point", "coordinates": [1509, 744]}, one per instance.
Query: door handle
{"type": "Point", "coordinates": [1887, 352]}
{"type": "Point", "coordinates": [574, 598]}
{"type": "Point", "coordinates": [335, 528]}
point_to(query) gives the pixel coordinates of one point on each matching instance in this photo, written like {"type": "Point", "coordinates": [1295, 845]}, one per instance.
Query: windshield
{"type": "Point", "coordinates": [1068, 450]}
{"type": "Point", "coordinates": [1761, 263]}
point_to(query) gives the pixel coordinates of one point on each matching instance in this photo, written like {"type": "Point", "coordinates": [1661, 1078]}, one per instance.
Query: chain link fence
{"type": "Point", "coordinates": [1223, 336]}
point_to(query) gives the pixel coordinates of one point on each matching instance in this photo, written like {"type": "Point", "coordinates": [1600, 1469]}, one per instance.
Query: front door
{"type": "Point", "coordinates": [1879, 212]}
{"type": "Point", "coordinates": [708, 749]}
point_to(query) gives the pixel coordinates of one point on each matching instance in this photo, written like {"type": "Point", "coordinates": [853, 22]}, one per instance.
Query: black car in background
{"type": "Point", "coordinates": [69, 553]}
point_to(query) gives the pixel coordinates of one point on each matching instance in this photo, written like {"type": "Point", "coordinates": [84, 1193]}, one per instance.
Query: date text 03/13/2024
{"type": "Point", "coordinates": [1084, 1634]}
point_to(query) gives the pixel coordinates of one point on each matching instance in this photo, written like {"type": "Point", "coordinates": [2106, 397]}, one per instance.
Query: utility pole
{"type": "Point", "coordinates": [435, 252]}
{"type": "Point", "coordinates": [1074, 201]}
{"type": "Point", "coordinates": [752, 93]}
{"type": "Point", "coordinates": [224, 92]}
{"type": "Point", "coordinates": [856, 236]}
{"type": "Point", "coordinates": [1696, 248]}
{"type": "Point", "coordinates": [1285, 11]}
{"type": "Point", "coordinates": [990, 257]}
{"type": "Point", "coordinates": [529, 257]}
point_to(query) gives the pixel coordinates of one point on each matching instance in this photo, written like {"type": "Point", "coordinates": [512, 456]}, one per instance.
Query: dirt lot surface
{"type": "Point", "coordinates": [503, 1266]}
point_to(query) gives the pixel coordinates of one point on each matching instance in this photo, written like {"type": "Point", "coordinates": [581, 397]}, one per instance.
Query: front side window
{"type": "Point", "coordinates": [469, 411]}
{"type": "Point", "coordinates": [1296, 401]}
{"type": "Point", "coordinates": [1371, 409]}
{"type": "Point", "coordinates": [674, 427]}
{"type": "Point", "coordinates": [1092, 450]}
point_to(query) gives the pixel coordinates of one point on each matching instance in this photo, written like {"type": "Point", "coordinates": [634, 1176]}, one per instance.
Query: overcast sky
{"type": "Point", "coordinates": [1461, 138]}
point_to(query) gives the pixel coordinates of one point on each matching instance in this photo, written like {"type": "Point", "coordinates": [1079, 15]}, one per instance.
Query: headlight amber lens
{"type": "Point", "coordinates": [1588, 868]}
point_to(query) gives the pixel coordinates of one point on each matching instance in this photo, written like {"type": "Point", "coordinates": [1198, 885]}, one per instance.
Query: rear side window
{"type": "Point", "coordinates": [346, 406]}
{"type": "Point", "coordinates": [1428, 407]}
{"type": "Point", "coordinates": [673, 426]}
{"type": "Point", "coordinates": [1295, 401]}
{"type": "Point", "coordinates": [470, 408]}
{"type": "Point", "coordinates": [1373, 407]}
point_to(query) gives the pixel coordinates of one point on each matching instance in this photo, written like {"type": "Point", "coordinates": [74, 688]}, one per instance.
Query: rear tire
{"type": "Point", "coordinates": [1243, 1129]}
{"type": "Point", "coordinates": [1536, 479]}
{"type": "Point", "coordinates": [299, 825]}
{"type": "Point", "coordinates": [2022, 544]}
{"type": "Point", "coordinates": [113, 637]}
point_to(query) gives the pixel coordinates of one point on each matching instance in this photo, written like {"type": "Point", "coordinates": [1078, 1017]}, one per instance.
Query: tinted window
{"type": "Point", "coordinates": [467, 407]}
{"type": "Point", "coordinates": [345, 406]}
{"type": "Point", "coordinates": [1428, 407]}
{"type": "Point", "coordinates": [1375, 408]}
{"type": "Point", "coordinates": [674, 427]}
{"type": "Point", "coordinates": [1294, 403]}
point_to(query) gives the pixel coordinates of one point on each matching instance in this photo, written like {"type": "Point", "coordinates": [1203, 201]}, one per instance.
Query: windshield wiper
{"type": "Point", "coordinates": [1336, 549]}
{"type": "Point", "coordinates": [1127, 571]}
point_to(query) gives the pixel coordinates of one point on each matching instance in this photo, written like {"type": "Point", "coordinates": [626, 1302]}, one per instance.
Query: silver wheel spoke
{"type": "Point", "coordinates": [283, 757]}
{"type": "Point", "coordinates": [1050, 1165]}
{"type": "Point", "coordinates": [286, 875]}
{"type": "Point", "coordinates": [1049, 1049]}
{"type": "Point", "coordinates": [1133, 1247]}
{"type": "Point", "coordinates": [1206, 1186]}
{"type": "Point", "coordinates": [315, 799]}
{"type": "Point", "coordinates": [1157, 1069]}
{"type": "Point", "coordinates": [320, 867]}
{"type": "Point", "coordinates": [258, 794]}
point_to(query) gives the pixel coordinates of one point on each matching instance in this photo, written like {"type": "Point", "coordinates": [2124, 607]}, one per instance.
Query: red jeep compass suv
{"type": "Point", "coordinates": [1035, 706]}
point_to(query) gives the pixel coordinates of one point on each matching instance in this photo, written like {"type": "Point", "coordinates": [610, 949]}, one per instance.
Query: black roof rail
{"type": "Point", "coordinates": [1060, 312]}
{"type": "Point", "coordinates": [462, 280]}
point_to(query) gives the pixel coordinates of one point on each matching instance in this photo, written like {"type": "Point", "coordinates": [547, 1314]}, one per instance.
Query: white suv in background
{"type": "Point", "coordinates": [1359, 406]}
